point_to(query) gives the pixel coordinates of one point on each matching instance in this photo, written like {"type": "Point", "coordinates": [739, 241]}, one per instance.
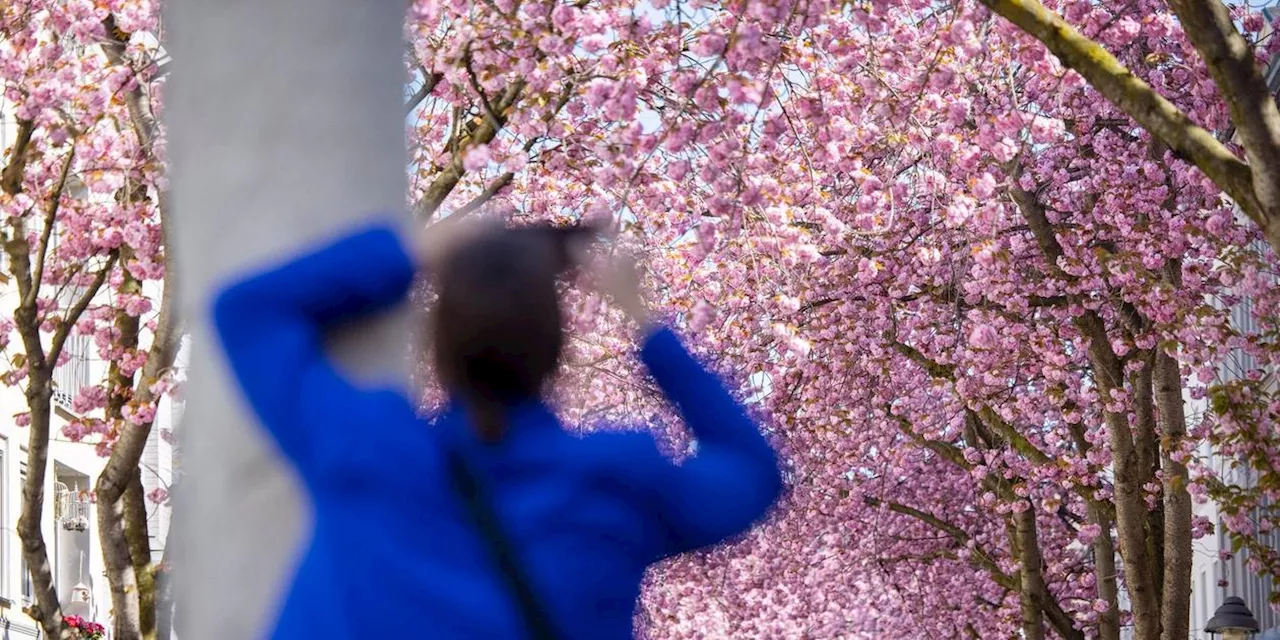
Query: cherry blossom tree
{"type": "Point", "coordinates": [1231, 46]}
{"type": "Point", "coordinates": [1231, 135]}
{"type": "Point", "coordinates": [83, 198]}
{"type": "Point", "coordinates": [967, 295]}
{"type": "Point", "coordinates": [964, 293]}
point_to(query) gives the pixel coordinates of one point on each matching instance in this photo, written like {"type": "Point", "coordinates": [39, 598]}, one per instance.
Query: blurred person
{"type": "Point", "coordinates": [489, 519]}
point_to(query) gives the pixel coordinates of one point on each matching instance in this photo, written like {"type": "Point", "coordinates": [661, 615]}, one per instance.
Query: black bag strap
{"type": "Point", "coordinates": [535, 616]}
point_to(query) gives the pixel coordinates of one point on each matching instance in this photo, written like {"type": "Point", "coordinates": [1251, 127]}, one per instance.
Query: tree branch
{"type": "Point", "coordinates": [984, 415]}
{"type": "Point", "coordinates": [958, 535]}
{"type": "Point", "coordinates": [144, 124]}
{"type": "Point", "coordinates": [16, 168]}
{"type": "Point", "coordinates": [484, 133]}
{"type": "Point", "coordinates": [475, 86]}
{"type": "Point", "coordinates": [1231, 62]}
{"type": "Point", "coordinates": [1061, 621]}
{"type": "Point", "coordinates": [1129, 477]}
{"type": "Point", "coordinates": [429, 82]}
{"type": "Point", "coordinates": [500, 183]}
{"type": "Point", "coordinates": [127, 451]}
{"type": "Point", "coordinates": [1151, 110]}
{"type": "Point", "coordinates": [50, 217]}
{"type": "Point", "coordinates": [78, 308]}
{"type": "Point", "coordinates": [1019, 442]}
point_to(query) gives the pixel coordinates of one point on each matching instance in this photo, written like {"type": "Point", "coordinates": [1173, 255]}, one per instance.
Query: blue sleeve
{"type": "Point", "coordinates": [732, 479]}
{"type": "Point", "coordinates": [272, 326]}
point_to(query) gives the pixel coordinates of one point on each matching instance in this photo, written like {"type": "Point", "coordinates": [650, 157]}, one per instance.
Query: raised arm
{"type": "Point", "coordinates": [733, 478]}
{"type": "Point", "coordinates": [272, 325]}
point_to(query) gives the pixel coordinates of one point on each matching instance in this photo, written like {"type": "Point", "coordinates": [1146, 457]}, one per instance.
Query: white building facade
{"type": "Point", "coordinates": [1217, 572]}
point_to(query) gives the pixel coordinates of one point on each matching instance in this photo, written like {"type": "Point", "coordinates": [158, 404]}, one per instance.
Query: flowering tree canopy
{"type": "Point", "coordinates": [968, 295]}
{"type": "Point", "coordinates": [965, 292]}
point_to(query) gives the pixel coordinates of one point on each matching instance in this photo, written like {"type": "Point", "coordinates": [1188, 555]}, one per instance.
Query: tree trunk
{"type": "Point", "coordinates": [285, 126]}
{"type": "Point", "coordinates": [119, 571]}
{"type": "Point", "coordinates": [1176, 603]}
{"type": "Point", "coordinates": [1146, 445]}
{"type": "Point", "coordinates": [39, 392]}
{"type": "Point", "coordinates": [1104, 567]}
{"type": "Point", "coordinates": [134, 505]}
{"type": "Point", "coordinates": [1033, 589]}
{"type": "Point", "coordinates": [120, 554]}
{"type": "Point", "coordinates": [119, 486]}
{"type": "Point", "coordinates": [1131, 524]}
{"type": "Point", "coordinates": [121, 479]}
{"type": "Point", "coordinates": [1108, 375]}
{"type": "Point", "coordinates": [48, 610]}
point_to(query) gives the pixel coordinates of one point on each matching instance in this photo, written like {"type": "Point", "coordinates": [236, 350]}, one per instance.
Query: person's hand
{"type": "Point", "coordinates": [434, 244]}
{"type": "Point", "coordinates": [617, 277]}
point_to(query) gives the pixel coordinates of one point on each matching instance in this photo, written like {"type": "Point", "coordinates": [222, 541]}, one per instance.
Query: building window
{"type": "Point", "coordinates": [28, 589]}
{"type": "Point", "coordinates": [70, 377]}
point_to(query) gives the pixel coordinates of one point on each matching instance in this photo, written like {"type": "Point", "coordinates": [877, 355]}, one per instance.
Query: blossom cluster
{"type": "Point", "coordinates": [961, 291]}
{"type": "Point", "coordinates": [85, 629]}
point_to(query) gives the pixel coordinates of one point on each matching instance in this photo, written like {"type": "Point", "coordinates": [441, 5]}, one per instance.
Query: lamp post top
{"type": "Point", "coordinates": [1233, 615]}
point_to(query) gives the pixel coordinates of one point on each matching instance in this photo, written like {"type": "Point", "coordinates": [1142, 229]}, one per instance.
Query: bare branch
{"type": "Point", "coordinates": [50, 218]}
{"type": "Point", "coordinates": [77, 309]}
{"type": "Point", "coordinates": [429, 83]}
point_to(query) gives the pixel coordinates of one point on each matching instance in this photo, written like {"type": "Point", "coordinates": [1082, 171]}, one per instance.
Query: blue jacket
{"type": "Point", "coordinates": [393, 552]}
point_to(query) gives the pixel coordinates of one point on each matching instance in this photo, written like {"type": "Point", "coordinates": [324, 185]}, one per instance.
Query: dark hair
{"type": "Point", "coordinates": [497, 330]}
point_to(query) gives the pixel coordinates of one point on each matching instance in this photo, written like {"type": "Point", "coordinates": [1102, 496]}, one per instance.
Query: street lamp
{"type": "Point", "coordinates": [1233, 620]}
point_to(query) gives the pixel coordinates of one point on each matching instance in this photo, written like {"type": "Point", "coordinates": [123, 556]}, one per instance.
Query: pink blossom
{"type": "Point", "coordinates": [984, 336]}
{"type": "Point", "coordinates": [984, 186]}
{"type": "Point", "coordinates": [1125, 30]}
{"type": "Point", "coordinates": [476, 158]}
{"type": "Point", "coordinates": [709, 44]}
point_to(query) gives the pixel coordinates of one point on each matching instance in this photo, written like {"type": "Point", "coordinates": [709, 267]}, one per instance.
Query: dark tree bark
{"type": "Point", "coordinates": [1032, 587]}
{"type": "Point", "coordinates": [1176, 602]}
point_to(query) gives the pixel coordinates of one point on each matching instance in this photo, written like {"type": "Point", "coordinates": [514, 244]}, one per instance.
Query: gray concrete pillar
{"type": "Point", "coordinates": [286, 123]}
